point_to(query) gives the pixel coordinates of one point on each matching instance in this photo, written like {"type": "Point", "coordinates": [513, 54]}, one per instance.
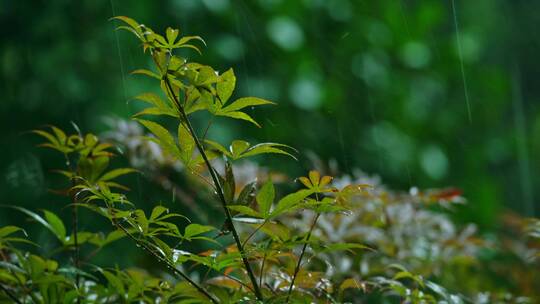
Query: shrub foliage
{"type": "Point", "coordinates": [338, 240]}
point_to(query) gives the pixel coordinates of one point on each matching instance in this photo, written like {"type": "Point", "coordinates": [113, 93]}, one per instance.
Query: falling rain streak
{"type": "Point", "coordinates": [460, 54]}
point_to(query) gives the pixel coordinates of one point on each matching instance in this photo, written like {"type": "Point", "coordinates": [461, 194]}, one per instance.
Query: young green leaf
{"type": "Point", "coordinates": [116, 173]}
{"type": "Point", "coordinates": [291, 202]}
{"type": "Point", "coordinates": [245, 210]}
{"type": "Point", "coordinates": [56, 224]}
{"type": "Point", "coordinates": [238, 115]}
{"type": "Point", "coordinates": [187, 144]}
{"type": "Point", "coordinates": [225, 87]}
{"type": "Point", "coordinates": [196, 229]}
{"type": "Point", "coordinates": [265, 198]}
{"type": "Point", "coordinates": [244, 102]}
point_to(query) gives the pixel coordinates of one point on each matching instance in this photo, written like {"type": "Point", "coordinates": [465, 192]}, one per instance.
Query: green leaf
{"type": "Point", "coordinates": [245, 102]}
{"type": "Point", "coordinates": [265, 198]}
{"type": "Point", "coordinates": [116, 173]}
{"type": "Point", "coordinates": [226, 86]}
{"type": "Point", "coordinates": [7, 230]}
{"type": "Point", "coordinates": [115, 283]}
{"type": "Point", "coordinates": [162, 247]}
{"type": "Point", "coordinates": [141, 222]}
{"type": "Point", "coordinates": [56, 224]}
{"type": "Point", "coordinates": [60, 135]}
{"type": "Point", "coordinates": [157, 112]}
{"type": "Point", "coordinates": [187, 143]}
{"type": "Point", "coordinates": [291, 201]}
{"type": "Point", "coordinates": [113, 236]}
{"type": "Point", "coordinates": [147, 73]}
{"type": "Point", "coordinates": [351, 283]}
{"type": "Point", "coordinates": [152, 99]}
{"type": "Point", "coordinates": [37, 218]}
{"type": "Point", "coordinates": [264, 148]}
{"type": "Point", "coordinates": [228, 183]}
{"type": "Point", "coordinates": [196, 229]}
{"type": "Point", "coordinates": [218, 147]}
{"type": "Point", "coordinates": [171, 34]}
{"type": "Point", "coordinates": [164, 137]}
{"type": "Point", "coordinates": [157, 211]}
{"type": "Point", "coordinates": [340, 247]}
{"type": "Point", "coordinates": [47, 136]}
{"type": "Point", "coordinates": [238, 147]}
{"type": "Point", "coordinates": [132, 23]}
{"type": "Point", "coordinates": [238, 115]}
{"type": "Point", "coordinates": [276, 230]}
{"type": "Point", "coordinates": [245, 210]}
{"type": "Point", "coordinates": [187, 39]}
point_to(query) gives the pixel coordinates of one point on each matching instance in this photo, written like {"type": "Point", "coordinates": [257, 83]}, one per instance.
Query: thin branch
{"type": "Point", "coordinates": [253, 232]}
{"type": "Point", "coordinates": [76, 254]}
{"type": "Point", "coordinates": [297, 268]}
{"type": "Point", "coordinates": [219, 190]}
{"type": "Point", "coordinates": [75, 224]}
{"type": "Point", "coordinates": [163, 260]}
{"type": "Point", "coordinates": [207, 128]}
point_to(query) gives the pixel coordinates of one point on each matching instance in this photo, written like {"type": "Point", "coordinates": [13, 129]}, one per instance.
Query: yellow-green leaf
{"type": "Point", "coordinates": [265, 198]}
{"type": "Point", "coordinates": [237, 115]}
{"type": "Point", "coordinates": [225, 87]}
{"type": "Point", "coordinates": [245, 102]}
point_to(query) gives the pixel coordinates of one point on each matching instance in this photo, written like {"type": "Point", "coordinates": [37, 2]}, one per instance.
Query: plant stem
{"type": "Point", "coordinates": [163, 260]}
{"type": "Point", "coordinates": [76, 254]}
{"type": "Point", "coordinates": [219, 190]}
{"type": "Point", "coordinates": [75, 224]}
{"type": "Point", "coordinates": [297, 268]}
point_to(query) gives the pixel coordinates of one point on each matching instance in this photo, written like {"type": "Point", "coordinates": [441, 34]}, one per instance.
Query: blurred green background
{"type": "Point", "coordinates": [393, 87]}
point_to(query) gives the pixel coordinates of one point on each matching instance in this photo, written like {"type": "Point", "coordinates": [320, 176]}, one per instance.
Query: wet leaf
{"type": "Point", "coordinates": [196, 229]}
{"type": "Point", "coordinates": [225, 87]}
{"type": "Point", "coordinates": [265, 198]}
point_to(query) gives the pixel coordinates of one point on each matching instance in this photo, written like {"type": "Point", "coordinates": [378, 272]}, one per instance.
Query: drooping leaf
{"type": "Point", "coordinates": [39, 219]}
{"type": "Point", "coordinates": [132, 23]}
{"type": "Point", "coordinates": [7, 230]}
{"type": "Point", "coordinates": [163, 136]}
{"type": "Point", "coordinates": [147, 73]}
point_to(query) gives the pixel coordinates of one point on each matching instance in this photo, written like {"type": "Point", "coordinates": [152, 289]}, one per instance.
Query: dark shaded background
{"type": "Point", "coordinates": [375, 85]}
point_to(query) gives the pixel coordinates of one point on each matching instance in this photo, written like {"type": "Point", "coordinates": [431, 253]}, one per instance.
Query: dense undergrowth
{"type": "Point", "coordinates": [314, 239]}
